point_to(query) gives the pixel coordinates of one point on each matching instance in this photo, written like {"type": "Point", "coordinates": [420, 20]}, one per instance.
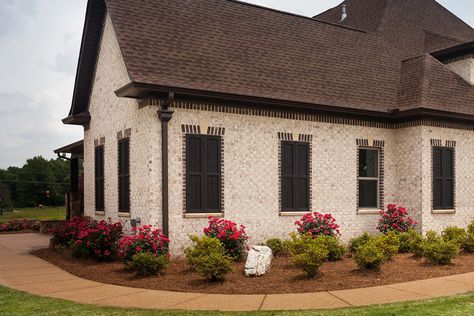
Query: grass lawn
{"type": "Point", "coordinates": [48, 213]}
{"type": "Point", "coordinates": [19, 303]}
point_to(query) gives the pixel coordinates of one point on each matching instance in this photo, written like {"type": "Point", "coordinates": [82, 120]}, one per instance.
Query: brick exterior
{"type": "Point", "coordinates": [463, 66]}
{"type": "Point", "coordinates": [251, 147]}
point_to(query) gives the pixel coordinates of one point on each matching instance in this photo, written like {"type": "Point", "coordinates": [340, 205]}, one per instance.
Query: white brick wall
{"type": "Point", "coordinates": [463, 67]}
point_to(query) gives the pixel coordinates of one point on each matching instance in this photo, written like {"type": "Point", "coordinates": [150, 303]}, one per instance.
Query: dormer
{"type": "Point", "coordinates": [459, 59]}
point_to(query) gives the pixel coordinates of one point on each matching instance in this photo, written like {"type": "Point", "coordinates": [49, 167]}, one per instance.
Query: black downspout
{"type": "Point", "coordinates": [165, 115]}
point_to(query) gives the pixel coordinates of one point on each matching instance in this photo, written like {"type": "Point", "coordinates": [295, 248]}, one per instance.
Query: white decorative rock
{"type": "Point", "coordinates": [258, 261]}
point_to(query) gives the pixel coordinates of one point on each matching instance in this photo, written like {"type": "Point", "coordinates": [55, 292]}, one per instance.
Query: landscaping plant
{"type": "Point", "coordinates": [405, 239]}
{"type": "Point", "coordinates": [369, 256]}
{"type": "Point", "coordinates": [455, 234]}
{"type": "Point", "coordinates": [232, 237]}
{"type": "Point", "coordinates": [276, 245]}
{"type": "Point", "coordinates": [19, 225]}
{"type": "Point", "coordinates": [388, 243]}
{"type": "Point", "coordinates": [65, 234]}
{"type": "Point", "coordinates": [439, 251]}
{"type": "Point", "coordinates": [209, 258]}
{"type": "Point", "coordinates": [98, 240]}
{"type": "Point", "coordinates": [357, 242]}
{"type": "Point", "coordinates": [334, 246]}
{"type": "Point", "coordinates": [307, 253]}
{"type": "Point", "coordinates": [147, 263]}
{"type": "Point", "coordinates": [145, 239]}
{"type": "Point", "coordinates": [317, 224]}
{"type": "Point", "coordinates": [395, 219]}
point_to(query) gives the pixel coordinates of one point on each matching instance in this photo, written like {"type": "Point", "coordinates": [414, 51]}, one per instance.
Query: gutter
{"type": "Point", "coordinates": [165, 114]}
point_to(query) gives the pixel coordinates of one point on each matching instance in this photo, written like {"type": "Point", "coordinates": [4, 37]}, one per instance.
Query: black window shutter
{"type": "Point", "coordinates": [203, 174]}
{"type": "Point", "coordinates": [124, 175]}
{"type": "Point", "coordinates": [99, 178]}
{"type": "Point", "coordinates": [295, 176]}
{"type": "Point", "coordinates": [443, 178]}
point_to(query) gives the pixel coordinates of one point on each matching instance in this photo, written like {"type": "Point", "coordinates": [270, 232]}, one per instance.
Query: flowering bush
{"type": "Point", "coordinates": [68, 231]}
{"type": "Point", "coordinates": [18, 225]}
{"type": "Point", "coordinates": [98, 240]}
{"type": "Point", "coordinates": [145, 240]}
{"type": "Point", "coordinates": [395, 219]}
{"type": "Point", "coordinates": [232, 237]}
{"type": "Point", "coordinates": [317, 224]}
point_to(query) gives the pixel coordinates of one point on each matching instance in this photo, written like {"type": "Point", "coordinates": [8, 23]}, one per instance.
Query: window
{"type": "Point", "coordinates": [124, 174]}
{"type": "Point", "coordinates": [203, 174]}
{"type": "Point", "coordinates": [369, 177]}
{"type": "Point", "coordinates": [99, 178]}
{"type": "Point", "coordinates": [294, 176]}
{"type": "Point", "coordinates": [443, 178]}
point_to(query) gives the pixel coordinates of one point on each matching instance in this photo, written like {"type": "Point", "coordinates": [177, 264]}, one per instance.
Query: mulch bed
{"type": "Point", "coordinates": [283, 277]}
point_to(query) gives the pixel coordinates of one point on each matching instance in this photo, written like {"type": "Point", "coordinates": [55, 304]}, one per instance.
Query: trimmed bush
{"type": "Point", "coordinates": [439, 251]}
{"type": "Point", "coordinates": [334, 246]}
{"type": "Point", "coordinates": [406, 239]}
{"type": "Point", "coordinates": [307, 253]}
{"type": "Point", "coordinates": [144, 239]}
{"type": "Point", "coordinates": [317, 224]}
{"type": "Point", "coordinates": [357, 242]}
{"type": "Point", "coordinates": [276, 245]}
{"type": "Point", "coordinates": [469, 243]}
{"type": "Point", "coordinates": [455, 234]}
{"type": "Point", "coordinates": [67, 232]}
{"type": "Point", "coordinates": [388, 243]}
{"type": "Point", "coordinates": [148, 264]}
{"type": "Point", "coordinates": [15, 225]}
{"type": "Point", "coordinates": [232, 237]}
{"type": "Point", "coordinates": [416, 243]}
{"type": "Point", "coordinates": [369, 256]}
{"type": "Point", "coordinates": [395, 219]}
{"type": "Point", "coordinates": [209, 258]}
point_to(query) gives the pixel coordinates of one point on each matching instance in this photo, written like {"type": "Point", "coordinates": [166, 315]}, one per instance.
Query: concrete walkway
{"type": "Point", "coordinates": [25, 272]}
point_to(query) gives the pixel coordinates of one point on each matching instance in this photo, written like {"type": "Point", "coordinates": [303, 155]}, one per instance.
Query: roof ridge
{"type": "Point", "coordinates": [295, 15]}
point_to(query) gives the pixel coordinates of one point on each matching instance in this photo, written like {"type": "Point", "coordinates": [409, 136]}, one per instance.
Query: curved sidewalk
{"type": "Point", "coordinates": [25, 272]}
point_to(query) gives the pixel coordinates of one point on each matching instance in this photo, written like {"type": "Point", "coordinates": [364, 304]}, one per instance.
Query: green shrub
{"type": "Point", "coordinates": [357, 242]}
{"type": "Point", "coordinates": [334, 246]}
{"type": "Point", "coordinates": [148, 264]}
{"type": "Point", "coordinates": [469, 243]}
{"type": "Point", "coordinates": [455, 234]}
{"type": "Point", "coordinates": [369, 256]}
{"type": "Point", "coordinates": [276, 245]}
{"type": "Point", "coordinates": [307, 253]}
{"type": "Point", "coordinates": [415, 243]}
{"type": "Point", "coordinates": [209, 258]}
{"type": "Point", "coordinates": [388, 243]}
{"type": "Point", "coordinates": [404, 239]}
{"type": "Point", "coordinates": [470, 228]}
{"type": "Point", "coordinates": [439, 251]}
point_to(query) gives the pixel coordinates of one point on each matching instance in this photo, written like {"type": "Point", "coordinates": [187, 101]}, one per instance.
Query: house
{"type": "Point", "coordinates": [224, 108]}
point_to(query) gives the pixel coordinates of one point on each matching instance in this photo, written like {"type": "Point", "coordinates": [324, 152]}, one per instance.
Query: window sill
{"type": "Point", "coordinates": [99, 213]}
{"type": "Point", "coordinates": [296, 213]}
{"type": "Point", "coordinates": [449, 211]}
{"type": "Point", "coordinates": [124, 214]}
{"type": "Point", "coordinates": [203, 215]}
{"type": "Point", "coordinates": [368, 211]}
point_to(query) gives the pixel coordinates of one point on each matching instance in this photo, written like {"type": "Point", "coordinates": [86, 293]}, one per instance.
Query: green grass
{"type": "Point", "coordinates": [13, 302]}
{"type": "Point", "coordinates": [48, 213]}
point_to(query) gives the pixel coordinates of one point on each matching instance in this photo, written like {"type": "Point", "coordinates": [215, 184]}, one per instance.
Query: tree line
{"type": "Point", "coordinates": [39, 181]}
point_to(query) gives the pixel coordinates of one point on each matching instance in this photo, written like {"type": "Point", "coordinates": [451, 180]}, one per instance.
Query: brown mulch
{"type": "Point", "coordinates": [283, 277]}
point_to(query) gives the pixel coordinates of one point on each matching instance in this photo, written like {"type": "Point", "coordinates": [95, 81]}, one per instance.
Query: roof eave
{"type": "Point", "coordinates": [78, 119]}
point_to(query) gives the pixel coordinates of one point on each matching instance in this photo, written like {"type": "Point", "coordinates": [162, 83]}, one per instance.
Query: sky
{"type": "Point", "coordinates": [39, 48]}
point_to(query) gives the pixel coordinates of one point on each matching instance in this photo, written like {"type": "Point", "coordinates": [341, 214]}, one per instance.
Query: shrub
{"type": "Point", "coordinates": [455, 234]}
{"type": "Point", "coordinates": [470, 228]}
{"type": "Point", "coordinates": [439, 251]}
{"type": "Point", "coordinates": [317, 224]}
{"type": "Point", "coordinates": [67, 232]}
{"type": "Point", "coordinates": [388, 243]}
{"type": "Point", "coordinates": [406, 239]}
{"type": "Point", "coordinates": [416, 243]}
{"type": "Point", "coordinates": [395, 219]}
{"type": "Point", "coordinates": [145, 240]}
{"type": "Point", "coordinates": [147, 264]}
{"type": "Point", "coordinates": [469, 243]}
{"type": "Point", "coordinates": [232, 237]}
{"type": "Point", "coordinates": [276, 245]}
{"type": "Point", "coordinates": [334, 246]}
{"type": "Point", "coordinates": [308, 253]}
{"type": "Point", "coordinates": [357, 242]}
{"type": "Point", "coordinates": [369, 256]}
{"type": "Point", "coordinates": [19, 225]}
{"type": "Point", "coordinates": [209, 258]}
{"type": "Point", "coordinates": [98, 240]}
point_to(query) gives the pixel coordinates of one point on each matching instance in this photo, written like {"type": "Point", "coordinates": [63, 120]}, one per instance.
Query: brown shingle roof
{"type": "Point", "coordinates": [229, 47]}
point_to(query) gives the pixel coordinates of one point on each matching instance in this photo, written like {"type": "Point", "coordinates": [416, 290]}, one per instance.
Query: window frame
{"type": "Point", "coordinates": [99, 176]}
{"type": "Point", "coordinates": [443, 206]}
{"type": "Point", "coordinates": [378, 178]}
{"type": "Point", "coordinates": [204, 209]}
{"type": "Point", "coordinates": [126, 175]}
{"type": "Point", "coordinates": [295, 176]}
